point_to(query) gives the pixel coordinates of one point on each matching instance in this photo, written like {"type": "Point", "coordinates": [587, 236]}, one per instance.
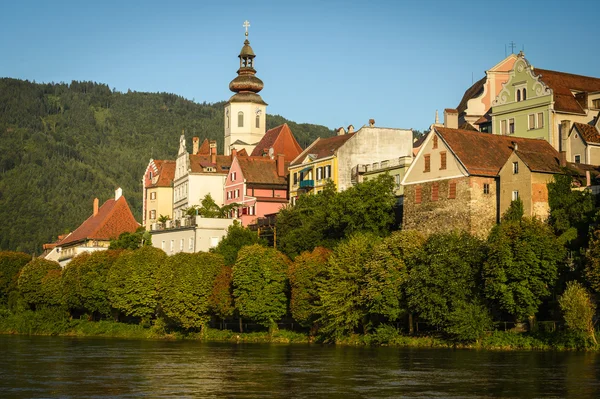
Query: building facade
{"type": "Point", "coordinates": [158, 191]}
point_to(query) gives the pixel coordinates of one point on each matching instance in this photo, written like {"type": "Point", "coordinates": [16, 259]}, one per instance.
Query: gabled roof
{"type": "Point", "coordinates": [165, 173]}
{"type": "Point", "coordinates": [281, 140]}
{"type": "Point", "coordinates": [322, 148]}
{"type": "Point", "coordinates": [261, 170]}
{"type": "Point", "coordinates": [544, 162]}
{"type": "Point", "coordinates": [563, 84]}
{"type": "Point", "coordinates": [484, 154]}
{"type": "Point", "coordinates": [204, 148]}
{"type": "Point", "coordinates": [199, 162]}
{"type": "Point", "coordinates": [474, 91]}
{"type": "Point", "coordinates": [112, 219]}
{"type": "Point", "coordinates": [588, 133]}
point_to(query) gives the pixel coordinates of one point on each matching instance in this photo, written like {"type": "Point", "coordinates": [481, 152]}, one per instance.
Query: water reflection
{"type": "Point", "coordinates": [33, 367]}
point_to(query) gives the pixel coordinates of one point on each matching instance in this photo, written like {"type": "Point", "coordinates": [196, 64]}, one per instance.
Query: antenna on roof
{"type": "Point", "coordinates": [512, 46]}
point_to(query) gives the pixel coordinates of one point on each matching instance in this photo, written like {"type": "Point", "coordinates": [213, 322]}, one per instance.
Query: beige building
{"type": "Point", "coordinates": [158, 191]}
{"type": "Point", "coordinates": [199, 235]}
{"type": "Point", "coordinates": [583, 144]}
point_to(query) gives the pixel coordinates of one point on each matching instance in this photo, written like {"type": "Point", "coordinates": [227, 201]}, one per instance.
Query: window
{"type": "Point", "coordinates": [540, 120]}
{"type": "Point", "coordinates": [228, 194]}
{"type": "Point", "coordinates": [327, 172]}
{"type": "Point", "coordinates": [486, 188]}
{"type": "Point", "coordinates": [233, 176]}
{"type": "Point", "coordinates": [531, 123]}
{"type": "Point", "coordinates": [577, 158]}
{"type": "Point", "coordinates": [153, 214]}
{"type": "Point", "coordinates": [418, 195]}
{"type": "Point", "coordinates": [515, 167]}
{"type": "Point", "coordinates": [295, 178]}
{"type": "Point", "coordinates": [435, 142]}
{"type": "Point", "coordinates": [596, 103]}
{"type": "Point", "coordinates": [435, 191]}
{"type": "Point", "coordinates": [524, 94]}
{"type": "Point", "coordinates": [503, 127]}
{"type": "Point", "coordinates": [515, 195]}
{"type": "Point", "coordinates": [237, 193]}
{"type": "Point", "coordinates": [319, 173]}
{"type": "Point", "coordinates": [397, 181]}
{"type": "Point", "coordinates": [452, 190]}
{"type": "Point", "coordinates": [240, 119]}
{"type": "Point", "coordinates": [443, 160]}
{"type": "Point", "coordinates": [181, 245]}
{"type": "Point", "coordinates": [252, 210]}
{"type": "Point", "coordinates": [153, 195]}
{"type": "Point", "coordinates": [191, 244]}
{"type": "Point", "coordinates": [162, 245]}
{"type": "Point", "coordinates": [427, 163]}
{"type": "Point", "coordinates": [511, 126]}
{"type": "Point", "coordinates": [518, 95]}
{"type": "Point", "coordinates": [257, 121]}
{"type": "Point", "coordinates": [172, 245]}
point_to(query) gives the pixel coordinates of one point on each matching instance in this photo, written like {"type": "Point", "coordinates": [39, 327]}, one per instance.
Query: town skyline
{"type": "Point", "coordinates": [331, 64]}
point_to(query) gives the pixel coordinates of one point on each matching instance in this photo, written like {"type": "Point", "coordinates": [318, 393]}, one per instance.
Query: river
{"type": "Point", "coordinates": [62, 367]}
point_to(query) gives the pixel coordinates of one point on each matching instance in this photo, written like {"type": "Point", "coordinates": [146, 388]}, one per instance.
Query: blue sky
{"type": "Point", "coordinates": [327, 62]}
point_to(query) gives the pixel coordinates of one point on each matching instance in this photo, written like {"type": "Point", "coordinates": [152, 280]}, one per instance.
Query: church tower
{"type": "Point", "coordinates": [245, 112]}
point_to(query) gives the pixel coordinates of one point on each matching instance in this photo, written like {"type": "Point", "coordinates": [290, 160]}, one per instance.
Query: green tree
{"type": "Point", "coordinates": [592, 268]}
{"type": "Point", "coordinates": [260, 284]}
{"type": "Point", "coordinates": [31, 281]}
{"type": "Point", "coordinates": [71, 283]}
{"type": "Point", "coordinates": [578, 309]}
{"type": "Point", "coordinates": [136, 240]}
{"type": "Point", "coordinates": [344, 306]}
{"type": "Point", "coordinates": [522, 266]}
{"type": "Point", "coordinates": [132, 283]}
{"type": "Point", "coordinates": [185, 284]}
{"type": "Point", "coordinates": [52, 289]}
{"type": "Point", "coordinates": [10, 265]}
{"type": "Point", "coordinates": [94, 282]}
{"type": "Point", "coordinates": [210, 209]}
{"type": "Point", "coordinates": [237, 237]}
{"type": "Point", "coordinates": [221, 298]}
{"type": "Point", "coordinates": [514, 212]}
{"type": "Point", "coordinates": [306, 272]}
{"type": "Point", "coordinates": [444, 285]}
{"type": "Point", "coordinates": [387, 273]}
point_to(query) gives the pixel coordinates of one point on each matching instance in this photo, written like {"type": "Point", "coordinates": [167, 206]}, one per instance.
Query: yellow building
{"type": "Point", "coordinates": [158, 191]}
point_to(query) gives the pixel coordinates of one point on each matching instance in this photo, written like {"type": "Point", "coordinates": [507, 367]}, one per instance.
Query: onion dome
{"type": "Point", "coordinates": [246, 84]}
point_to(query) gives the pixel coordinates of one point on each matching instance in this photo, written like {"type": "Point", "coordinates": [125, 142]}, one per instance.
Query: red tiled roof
{"type": "Point", "coordinates": [197, 162]}
{"type": "Point", "coordinates": [562, 84]}
{"type": "Point", "coordinates": [112, 219]}
{"type": "Point", "coordinates": [322, 148]}
{"type": "Point", "coordinates": [281, 140]}
{"type": "Point", "coordinates": [484, 154]}
{"type": "Point", "coordinates": [165, 173]}
{"type": "Point", "coordinates": [261, 170]}
{"type": "Point", "coordinates": [204, 149]}
{"type": "Point", "coordinates": [588, 132]}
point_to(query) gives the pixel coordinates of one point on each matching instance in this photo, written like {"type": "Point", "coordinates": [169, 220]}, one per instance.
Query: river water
{"type": "Point", "coordinates": [58, 367]}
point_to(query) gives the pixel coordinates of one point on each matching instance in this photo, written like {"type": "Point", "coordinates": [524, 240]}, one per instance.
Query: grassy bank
{"type": "Point", "coordinates": [54, 322]}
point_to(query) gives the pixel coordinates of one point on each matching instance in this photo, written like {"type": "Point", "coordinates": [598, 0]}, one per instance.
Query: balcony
{"type": "Point", "coordinates": [307, 184]}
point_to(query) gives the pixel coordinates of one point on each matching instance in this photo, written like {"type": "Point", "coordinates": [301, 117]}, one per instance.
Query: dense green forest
{"type": "Point", "coordinates": [62, 144]}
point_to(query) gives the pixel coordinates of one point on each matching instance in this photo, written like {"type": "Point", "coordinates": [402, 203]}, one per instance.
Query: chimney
{"type": "Point", "coordinates": [515, 145]}
{"type": "Point", "coordinates": [280, 165]}
{"type": "Point", "coordinates": [213, 155]}
{"type": "Point", "coordinates": [588, 178]}
{"type": "Point", "coordinates": [563, 159]}
{"type": "Point", "coordinates": [95, 206]}
{"type": "Point", "coordinates": [196, 143]}
{"type": "Point", "coordinates": [563, 131]}
{"type": "Point", "coordinates": [371, 122]}
{"type": "Point", "coordinates": [340, 131]}
{"type": "Point", "coordinates": [118, 193]}
{"type": "Point", "coordinates": [350, 129]}
{"type": "Point", "coordinates": [233, 153]}
{"type": "Point", "coordinates": [451, 118]}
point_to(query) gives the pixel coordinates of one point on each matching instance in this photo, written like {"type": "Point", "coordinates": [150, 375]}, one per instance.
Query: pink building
{"type": "Point", "coordinates": [258, 184]}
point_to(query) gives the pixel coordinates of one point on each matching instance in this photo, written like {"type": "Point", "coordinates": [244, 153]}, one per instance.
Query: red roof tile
{"type": "Point", "coordinates": [281, 140]}
{"type": "Point", "coordinates": [198, 162]}
{"type": "Point", "coordinates": [204, 148]}
{"type": "Point", "coordinates": [588, 132]}
{"type": "Point", "coordinates": [562, 84]}
{"type": "Point", "coordinates": [112, 219]}
{"type": "Point", "coordinates": [484, 154]}
{"type": "Point", "coordinates": [322, 148]}
{"type": "Point", "coordinates": [165, 173]}
{"type": "Point", "coordinates": [261, 170]}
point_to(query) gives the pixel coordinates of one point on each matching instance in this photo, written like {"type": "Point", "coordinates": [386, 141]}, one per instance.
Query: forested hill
{"type": "Point", "coordinates": [61, 145]}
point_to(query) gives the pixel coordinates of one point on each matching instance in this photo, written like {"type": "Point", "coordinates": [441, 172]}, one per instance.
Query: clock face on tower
{"type": "Point", "coordinates": [258, 111]}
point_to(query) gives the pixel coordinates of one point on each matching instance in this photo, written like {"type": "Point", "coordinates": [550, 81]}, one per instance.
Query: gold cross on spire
{"type": "Point", "coordinates": [246, 25]}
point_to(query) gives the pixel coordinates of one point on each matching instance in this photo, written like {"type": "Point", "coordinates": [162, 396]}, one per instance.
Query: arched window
{"type": "Point", "coordinates": [258, 120]}
{"type": "Point", "coordinates": [519, 95]}
{"type": "Point", "coordinates": [240, 119]}
{"type": "Point", "coordinates": [524, 94]}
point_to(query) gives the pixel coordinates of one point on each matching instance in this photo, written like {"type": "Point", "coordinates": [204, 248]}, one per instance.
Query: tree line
{"type": "Point", "coordinates": [352, 275]}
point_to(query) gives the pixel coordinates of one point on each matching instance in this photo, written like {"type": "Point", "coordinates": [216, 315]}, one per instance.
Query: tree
{"type": "Point", "coordinates": [10, 265]}
{"type": "Point", "coordinates": [592, 269]}
{"type": "Point", "coordinates": [514, 212]}
{"type": "Point", "coordinates": [306, 272]}
{"type": "Point", "coordinates": [522, 266]}
{"type": "Point", "coordinates": [94, 282]}
{"type": "Point", "coordinates": [387, 273]}
{"type": "Point", "coordinates": [185, 284]}
{"type": "Point", "coordinates": [71, 283]}
{"type": "Point", "coordinates": [209, 209]}
{"type": "Point", "coordinates": [31, 281]}
{"type": "Point", "coordinates": [221, 298]}
{"type": "Point", "coordinates": [136, 240]}
{"type": "Point", "coordinates": [344, 307]}
{"type": "Point", "coordinates": [260, 284]}
{"type": "Point", "coordinates": [237, 237]}
{"type": "Point", "coordinates": [578, 309]}
{"type": "Point", "coordinates": [132, 284]}
{"type": "Point", "coordinates": [444, 285]}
